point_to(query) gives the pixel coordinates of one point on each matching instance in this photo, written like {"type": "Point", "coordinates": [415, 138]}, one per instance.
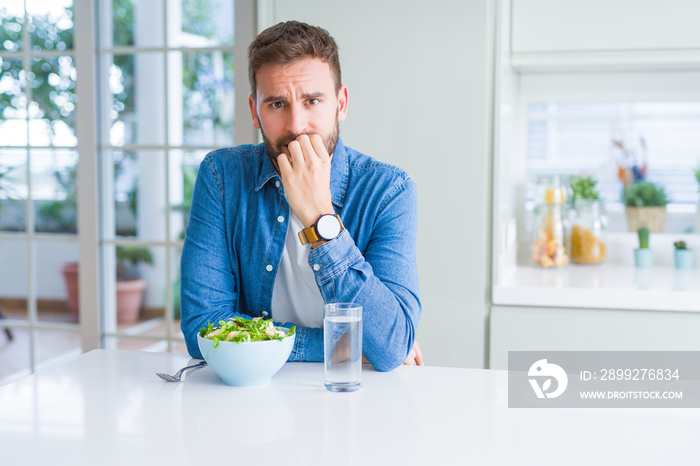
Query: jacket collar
{"type": "Point", "coordinates": [339, 172]}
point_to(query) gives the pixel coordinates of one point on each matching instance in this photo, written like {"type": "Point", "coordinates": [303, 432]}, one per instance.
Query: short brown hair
{"type": "Point", "coordinates": [287, 42]}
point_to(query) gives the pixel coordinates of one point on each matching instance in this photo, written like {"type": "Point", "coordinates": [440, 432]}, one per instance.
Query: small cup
{"type": "Point", "coordinates": [342, 345]}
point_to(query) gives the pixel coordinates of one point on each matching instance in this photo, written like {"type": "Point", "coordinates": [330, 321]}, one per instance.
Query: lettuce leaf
{"type": "Point", "coordinates": [239, 329]}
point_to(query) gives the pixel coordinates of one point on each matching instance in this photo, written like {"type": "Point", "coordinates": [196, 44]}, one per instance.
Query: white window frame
{"type": "Point", "coordinates": [95, 284]}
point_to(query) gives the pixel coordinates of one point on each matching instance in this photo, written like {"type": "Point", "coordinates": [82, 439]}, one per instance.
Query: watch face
{"type": "Point", "coordinates": [328, 227]}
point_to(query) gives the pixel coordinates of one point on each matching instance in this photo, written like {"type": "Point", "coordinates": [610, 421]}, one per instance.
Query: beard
{"type": "Point", "coordinates": [276, 148]}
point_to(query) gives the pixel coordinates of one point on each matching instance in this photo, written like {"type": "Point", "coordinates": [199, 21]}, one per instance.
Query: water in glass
{"type": "Point", "coordinates": [343, 351]}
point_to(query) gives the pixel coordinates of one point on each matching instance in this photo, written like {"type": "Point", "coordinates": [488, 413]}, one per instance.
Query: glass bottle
{"type": "Point", "coordinates": [549, 234]}
{"type": "Point", "coordinates": [587, 242]}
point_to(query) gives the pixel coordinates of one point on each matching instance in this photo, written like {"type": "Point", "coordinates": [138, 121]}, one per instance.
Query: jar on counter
{"type": "Point", "coordinates": [588, 232]}
{"type": "Point", "coordinates": [548, 244]}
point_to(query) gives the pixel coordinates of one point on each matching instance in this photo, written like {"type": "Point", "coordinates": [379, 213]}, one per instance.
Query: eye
{"type": "Point", "coordinates": [277, 105]}
{"type": "Point", "coordinates": [313, 101]}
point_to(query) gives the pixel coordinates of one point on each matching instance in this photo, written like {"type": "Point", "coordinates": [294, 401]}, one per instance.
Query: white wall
{"type": "Point", "coordinates": [420, 84]}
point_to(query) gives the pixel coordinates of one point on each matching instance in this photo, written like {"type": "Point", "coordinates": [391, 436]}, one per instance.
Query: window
{"type": "Point", "coordinates": [567, 122]}
{"type": "Point", "coordinates": [163, 90]}
{"type": "Point", "coordinates": [166, 74]}
{"type": "Point", "coordinates": [578, 138]}
{"type": "Point", "coordinates": [38, 160]}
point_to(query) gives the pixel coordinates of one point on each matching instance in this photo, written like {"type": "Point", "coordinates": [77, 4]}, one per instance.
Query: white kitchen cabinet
{"type": "Point", "coordinates": [525, 328]}
{"type": "Point", "coordinates": [587, 51]}
{"type": "Point", "coordinates": [604, 33]}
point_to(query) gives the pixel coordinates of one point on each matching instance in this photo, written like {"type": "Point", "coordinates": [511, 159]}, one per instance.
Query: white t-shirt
{"type": "Point", "coordinates": [295, 297]}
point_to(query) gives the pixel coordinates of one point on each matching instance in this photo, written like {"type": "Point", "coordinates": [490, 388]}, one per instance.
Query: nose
{"type": "Point", "coordinates": [296, 120]}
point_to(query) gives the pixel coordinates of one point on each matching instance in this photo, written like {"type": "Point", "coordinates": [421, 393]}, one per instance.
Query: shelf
{"type": "Point", "coordinates": [601, 286]}
{"type": "Point", "coordinates": [606, 61]}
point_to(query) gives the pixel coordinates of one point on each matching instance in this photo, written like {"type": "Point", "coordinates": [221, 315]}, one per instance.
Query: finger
{"type": "Point", "coordinates": [296, 152]}
{"type": "Point", "coordinates": [284, 165]}
{"type": "Point", "coordinates": [410, 359]}
{"type": "Point", "coordinates": [307, 148]}
{"type": "Point", "coordinates": [419, 355]}
{"type": "Point", "coordinates": [319, 146]}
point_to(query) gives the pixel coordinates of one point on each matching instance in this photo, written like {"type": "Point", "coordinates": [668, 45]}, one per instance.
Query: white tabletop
{"type": "Point", "coordinates": [109, 408]}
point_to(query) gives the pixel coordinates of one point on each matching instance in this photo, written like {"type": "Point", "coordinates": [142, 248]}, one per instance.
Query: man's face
{"type": "Point", "coordinates": [294, 99]}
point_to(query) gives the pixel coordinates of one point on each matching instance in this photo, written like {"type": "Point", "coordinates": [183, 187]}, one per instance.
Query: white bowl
{"type": "Point", "coordinates": [246, 364]}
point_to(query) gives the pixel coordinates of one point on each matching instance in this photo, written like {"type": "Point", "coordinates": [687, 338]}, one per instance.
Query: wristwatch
{"type": "Point", "coordinates": [327, 227]}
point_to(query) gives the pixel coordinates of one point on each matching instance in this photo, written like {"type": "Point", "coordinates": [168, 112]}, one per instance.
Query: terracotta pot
{"type": "Point", "coordinates": [129, 297]}
{"type": "Point", "coordinates": [70, 277]}
{"type": "Point", "coordinates": [129, 294]}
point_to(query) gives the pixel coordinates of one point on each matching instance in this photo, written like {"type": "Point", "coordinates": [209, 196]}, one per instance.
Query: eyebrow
{"type": "Point", "coordinates": [305, 96]}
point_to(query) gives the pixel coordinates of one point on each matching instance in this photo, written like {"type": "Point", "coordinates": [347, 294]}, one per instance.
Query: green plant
{"type": "Point", "coordinates": [5, 190]}
{"type": "Point", "coordinates": [643, 238]}
{"type": "Point", "coordinates": [644, 194]}
{"type": "Point", "coordinates": [189, 176]}
{"type": "Point", "coordinates": [680, 245]}
{"type": "Point", "coordinates": [128, 258]}
{"type": "Point", "coordinates": [60, 215]}
{"type": "Point", "coordinates": [583, 187]}
{"type": "Point", "coordinates": [697, 176]}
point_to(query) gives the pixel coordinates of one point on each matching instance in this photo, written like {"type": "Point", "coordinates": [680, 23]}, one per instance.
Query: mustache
{"type": "Point", "coordinates": [286, 139]}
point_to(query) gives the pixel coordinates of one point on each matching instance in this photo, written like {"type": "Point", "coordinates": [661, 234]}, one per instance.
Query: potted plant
{"type": "Point", "coordinates": [583, 188]}
{"type": "Point", "coordinates": [643, 256]}
{"type": "Point", "coordinates": [130, 287]}
{"type": "Point", "coordinates": [645, 206]}
{"type": "Point", "coordinates": [682, 256]}
{"type": "Point", "coordinates": [60, 216]}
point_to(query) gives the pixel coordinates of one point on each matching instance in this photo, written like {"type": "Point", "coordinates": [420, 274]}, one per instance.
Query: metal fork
{"type": "Point", "coordinates": [177, 376]}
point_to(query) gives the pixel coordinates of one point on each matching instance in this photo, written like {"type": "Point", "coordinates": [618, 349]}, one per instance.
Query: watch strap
{"type": "Point", "coordinates": [310, 235]}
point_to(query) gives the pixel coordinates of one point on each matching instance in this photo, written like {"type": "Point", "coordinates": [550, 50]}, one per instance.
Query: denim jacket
{"type": "Point", "coordinates": [236, 233]}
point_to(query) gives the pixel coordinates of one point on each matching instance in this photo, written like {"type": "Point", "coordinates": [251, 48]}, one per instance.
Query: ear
{"type": "Point", "coordinates": [342, 102]}
{"type": "Point", "coordinates": [253, 113]}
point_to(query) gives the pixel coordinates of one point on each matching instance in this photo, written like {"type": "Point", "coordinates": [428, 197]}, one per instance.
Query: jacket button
{"type": "Point", "coordinates": [280, 219]}
{"type": "Point", "coordinates": [268, 268]}
{"type": "Point", "coordinates": [317, 267]}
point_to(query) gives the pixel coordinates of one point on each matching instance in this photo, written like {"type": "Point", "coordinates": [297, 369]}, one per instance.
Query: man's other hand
{"type": "Point", "coordinates": [415, 357]}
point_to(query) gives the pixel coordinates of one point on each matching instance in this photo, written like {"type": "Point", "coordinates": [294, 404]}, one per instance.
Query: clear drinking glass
{"type": "Point", "coordinates": [342, 344]}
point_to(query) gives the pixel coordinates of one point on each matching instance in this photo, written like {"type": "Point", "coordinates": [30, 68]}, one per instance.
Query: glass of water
{"type": "Point", "coordinates": [342, 346]}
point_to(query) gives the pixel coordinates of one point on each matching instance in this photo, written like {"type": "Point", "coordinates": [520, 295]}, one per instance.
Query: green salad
{"type": "Point", "coordinates": [239, 329]}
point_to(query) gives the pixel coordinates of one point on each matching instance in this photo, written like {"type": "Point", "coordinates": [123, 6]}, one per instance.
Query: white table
{"type": "Point", "coordinates": [109, 408]}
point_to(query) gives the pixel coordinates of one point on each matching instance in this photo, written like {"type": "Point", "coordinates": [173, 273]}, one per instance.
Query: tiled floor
{"type": "Point", "coordinates": [56, 345]}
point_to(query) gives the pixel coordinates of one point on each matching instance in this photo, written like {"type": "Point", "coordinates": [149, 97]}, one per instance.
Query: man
{"type": "Point", "coordinates": [278, 229]}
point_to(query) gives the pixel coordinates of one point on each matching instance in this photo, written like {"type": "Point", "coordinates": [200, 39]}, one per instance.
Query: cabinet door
{"type": "Point", "coordinates": [514, 328]}
{"type": "Point", "coordinates": [541, 26]}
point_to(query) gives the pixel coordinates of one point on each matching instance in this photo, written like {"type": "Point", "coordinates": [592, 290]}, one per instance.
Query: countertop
{"type": "Point", "coordinates": [108, 408]}
{"type": "Point", "coordinates": [603, 286]}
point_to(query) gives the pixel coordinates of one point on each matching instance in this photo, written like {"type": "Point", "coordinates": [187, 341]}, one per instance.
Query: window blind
{"type": "Point", "coordinates": [578, 139]}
